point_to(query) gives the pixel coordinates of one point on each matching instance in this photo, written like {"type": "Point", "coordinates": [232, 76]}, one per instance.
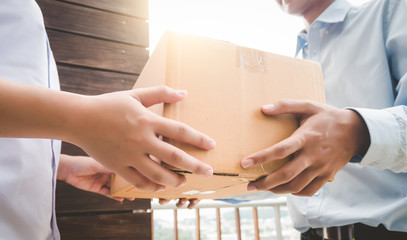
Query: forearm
{"type": "Point", "coordinates": [34, 112]}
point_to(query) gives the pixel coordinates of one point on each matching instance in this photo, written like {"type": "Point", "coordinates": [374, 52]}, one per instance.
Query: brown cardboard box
{"type": "Point", "coordinates": [227, 85]}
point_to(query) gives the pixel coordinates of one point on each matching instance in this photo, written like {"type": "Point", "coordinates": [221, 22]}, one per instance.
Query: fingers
{"type": "Point", "coordinates": [163, 201]}
{"type": "Point", "coordinates": [158, 174]}
{"type": "Point", "coordinates": [297, 184]}
{"type": "Point", "coordinates": [282, 176]}
{"type": "Point", "coordinates": [295, 177]}
{"type": "Point", "coordinates": [181, 202]}
{"type": "Point", "coordinates": [193, 203]}
{"type": "Point", "coordinates": [105, 191]}
{"type": "Point", "coordinates": [155, 95]}
{"type": "Point", "coordinates": [184, 133]}
{"type": "Point", "coordinates": [278, 151]}
{"type": "Point", "coordinates": [134, 177]}
{"type": "Point", "coordinates": [289, 106]}
{"type": "Point", "coordinates": [178, 158]}
{"type": "Point", "coordinates": [312, 188]}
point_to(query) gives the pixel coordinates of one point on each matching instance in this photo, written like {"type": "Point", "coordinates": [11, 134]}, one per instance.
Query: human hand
{"type": "Point", "coordinates": [181, 202]}
{"type": "Point", "coordinates": [86, 174]}
{"type": "Point", "coordinates": [117, 130]}
{"type": "Point", "coordinates": [326, 140]}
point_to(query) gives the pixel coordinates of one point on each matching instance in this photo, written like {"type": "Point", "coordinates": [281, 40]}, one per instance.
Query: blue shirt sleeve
{"type": "Point", "coordinates": [388, 127]}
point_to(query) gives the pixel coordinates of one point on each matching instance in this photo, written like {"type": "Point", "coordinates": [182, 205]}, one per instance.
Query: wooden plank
{"type": "Point", "coordinates": [95, 53]}
{"type": "Point", "coordinates": [238, 229]}
{"type": "Point", "coordinates": [256, 224]}
{"type": "Point", "coordinates": [70, 199]}
{"type": "Point", "coordinates": [95, 23]}
{"type": "Point", "coordinates": [218, 224]}
{"type": "Point", "coordinates": [175, 224]}
{"type": "Point", "coordinates": [124, 226]}
{"type": "Point", "coordinates": [277, 221]}
{"type": "Point", "coordinates": [72, 150]}
{"type": "Point", "coordinates": [92, 81]}
{"type": "Point", "coordinates": [198, 224]}
{"type": "Point", "coordinates": [136, 8]}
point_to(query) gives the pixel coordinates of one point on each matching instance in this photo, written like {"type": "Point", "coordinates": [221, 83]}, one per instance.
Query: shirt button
{"type": "Point", "coordinates": [317, 193]}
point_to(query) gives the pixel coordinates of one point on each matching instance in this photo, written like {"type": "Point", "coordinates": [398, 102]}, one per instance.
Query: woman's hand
{"type": "Point", "coordinates": [117, 130]}
{"type": "Point", "coordinates": [86, 174]}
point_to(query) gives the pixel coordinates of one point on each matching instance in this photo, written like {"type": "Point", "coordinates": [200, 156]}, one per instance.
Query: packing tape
{"type": "Point", "coordinates": [250, 59]}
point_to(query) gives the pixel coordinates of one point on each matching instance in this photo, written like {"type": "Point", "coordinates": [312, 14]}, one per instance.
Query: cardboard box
{"type": "Point", "coordinates": [227, 84]}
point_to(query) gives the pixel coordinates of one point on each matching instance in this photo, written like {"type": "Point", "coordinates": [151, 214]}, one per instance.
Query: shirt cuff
{"type": "Point", "coordinates": [384, 138]}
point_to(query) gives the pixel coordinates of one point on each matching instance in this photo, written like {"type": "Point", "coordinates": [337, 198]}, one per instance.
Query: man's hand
{"type": "Point", "coordinates": [324, 143]}
{"type": "Point", "coordinates": [117, 130]}
{"type": "Point", "coordinates": [86, 174]}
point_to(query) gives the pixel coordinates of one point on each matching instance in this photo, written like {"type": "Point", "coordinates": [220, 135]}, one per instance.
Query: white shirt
{"type": "Point", "coordinates": [27, 166]}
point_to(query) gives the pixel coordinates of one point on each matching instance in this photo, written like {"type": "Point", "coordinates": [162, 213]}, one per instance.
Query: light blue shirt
{"type": "Point", "coordinates": [363, 53]}
{"type": "Point", "coordinates": [27, 166]}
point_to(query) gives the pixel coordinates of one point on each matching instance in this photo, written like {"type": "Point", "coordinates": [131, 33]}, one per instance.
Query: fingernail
{"type": "Point", "coordinates": [183, 183]}
{"type": "Point", "coordinates": [246, 163]}
{"type": "Point", "coordinates": [208, 173]}
{"type": "Point", "coordinates": [251, 188]}
{"type": "Point", "coordinates": [162, 188]}
{"type": "Point", "coordinates": [181, 93]}
{"type": "Point", "coordinates": [268, 107]}
{"type": "Point", "coordinates": [212, 143]}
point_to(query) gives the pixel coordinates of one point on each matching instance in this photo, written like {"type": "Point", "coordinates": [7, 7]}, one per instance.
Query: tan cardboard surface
{"type": "Point", "coordinates": [227, 85]}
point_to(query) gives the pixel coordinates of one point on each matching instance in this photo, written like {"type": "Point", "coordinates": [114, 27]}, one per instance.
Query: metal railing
{"type": "Point", "coordinates": [275, 203]}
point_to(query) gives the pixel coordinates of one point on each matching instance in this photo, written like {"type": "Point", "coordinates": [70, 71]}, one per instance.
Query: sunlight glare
{"type": "Point", "coordinates": [259, 24]}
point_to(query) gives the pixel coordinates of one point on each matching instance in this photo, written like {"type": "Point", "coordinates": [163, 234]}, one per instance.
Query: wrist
{"type": "Point", "coordinates": [76, 121]}
{"type": "Point", "coordinates": [360, 133]}
{"type": "Point", "coordinates": [61, 173]}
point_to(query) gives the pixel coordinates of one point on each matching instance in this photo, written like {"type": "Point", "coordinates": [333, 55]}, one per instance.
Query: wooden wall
{"type": "Point", "coordinates": [99, 47]}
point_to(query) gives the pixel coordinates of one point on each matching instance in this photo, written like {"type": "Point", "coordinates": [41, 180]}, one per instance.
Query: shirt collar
{"type": "Point", "coordinates": [302, 41]}
{"type": "Point", "coordinates": [335, 13]}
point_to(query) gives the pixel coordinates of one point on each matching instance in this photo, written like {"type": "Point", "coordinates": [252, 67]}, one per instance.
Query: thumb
{"type": "Point", "coordinates": [289, 106]}
{"type": "Point", "coordinates": [155, 95]}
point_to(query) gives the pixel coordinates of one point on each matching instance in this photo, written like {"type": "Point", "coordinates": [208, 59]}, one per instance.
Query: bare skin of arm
{"type": "Point", "coordinates": [324, 143]}
{"type": "Point", "coordinates": [115, 129]}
